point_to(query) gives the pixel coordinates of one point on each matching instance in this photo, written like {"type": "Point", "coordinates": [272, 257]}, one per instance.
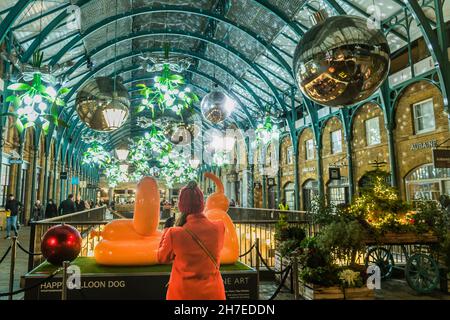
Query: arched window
{"type": "Point", "coordinates": [427, 183]}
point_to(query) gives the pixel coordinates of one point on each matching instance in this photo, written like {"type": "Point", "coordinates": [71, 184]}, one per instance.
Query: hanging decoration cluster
{"type": "Point", "coordinates": [116, 173]}
{"type": "Point", "coordinates": [221, 158]}
{"type": "Point", "coordinates": [36, 101]}
{"type": "Point", "coordinates": [267, 131]}
{"type": "Point", "coordinates": [167, 93]}
{"type": "Point", "coordinates": [96, 155]}
{"type": "Point", "coordinates": [152, 154]}
{"type": "Point", "coordinates": [176, 170]}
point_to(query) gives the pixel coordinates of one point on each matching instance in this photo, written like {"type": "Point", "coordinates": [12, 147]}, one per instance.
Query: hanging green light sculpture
{"type": "Point", "coordinates": [167, 92]}
{"type": "Point", "coordinates": [36, 101]}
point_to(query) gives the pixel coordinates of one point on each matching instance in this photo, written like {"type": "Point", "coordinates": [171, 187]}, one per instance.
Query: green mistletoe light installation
{"type": "Point", "coordinates": [176, 170]}
{"type": "Point", "coordinates": [221, 158]}
{"type": "Point", "coordinates": [268, 130]}
{"type": "Point", "coordinates": [150, 155]}
{"type": "Point", "coordinates": [36, 101]}
{"type": "Point", "coordinates": [168, 92]}
{"type": "Point", "coordinates": [153, 155]}
{"type": "Point", "coordinates": [116, 173]}
{"type": "Point", "coordinates": [96, 155]}
{"type": "Point", "coordinates": [152, 146]}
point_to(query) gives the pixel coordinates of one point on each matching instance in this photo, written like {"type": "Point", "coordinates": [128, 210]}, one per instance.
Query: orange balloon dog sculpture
{"type": "Point", "coordinates": [133, 242]}
{"type": "Point", "coordinates": [216, 208]}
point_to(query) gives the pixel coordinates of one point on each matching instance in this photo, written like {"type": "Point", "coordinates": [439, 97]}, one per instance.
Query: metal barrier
{"type": "Point", "coordinates": [262, 226]}
{"type": "Point", "coordinates": [84, 221]}
{"type": "Point", "coordinates": [249, 231]}
{"type": "Point", "coordinates": [242, 214]}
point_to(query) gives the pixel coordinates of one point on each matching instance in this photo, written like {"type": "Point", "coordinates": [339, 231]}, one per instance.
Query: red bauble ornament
{"type": "Point", "coordinates": [61, 243]}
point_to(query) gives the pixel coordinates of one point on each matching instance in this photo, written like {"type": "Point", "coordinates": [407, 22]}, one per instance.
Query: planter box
{"type": "Point", "coordinates": [314, 292]}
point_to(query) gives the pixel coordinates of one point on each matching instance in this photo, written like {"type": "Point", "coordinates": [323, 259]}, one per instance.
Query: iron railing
{"type": "Point", "coordinates": [84, 221]}
{"type": "Point", "coordinates": [250, 223]}
{"type": "Point", "coordinates": [241, 214]}
{"type": "Point", "coordinates": [261, 225]}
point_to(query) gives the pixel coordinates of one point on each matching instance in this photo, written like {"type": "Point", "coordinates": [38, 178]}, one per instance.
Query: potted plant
{"type": "Point", "coordinates": [321, 277]}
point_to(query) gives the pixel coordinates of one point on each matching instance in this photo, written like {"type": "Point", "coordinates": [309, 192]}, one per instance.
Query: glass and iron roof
{"type": "Point", "coordinates": [244, 46]}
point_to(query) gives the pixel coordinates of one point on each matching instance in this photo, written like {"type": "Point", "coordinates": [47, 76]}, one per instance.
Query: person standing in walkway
{"type": "Point", "coordinates": [194, 246]}
{"type": "Point", "coordinates": [166, 209]}
{"type": "Point", "coordinates": [12, 209]}
{"type": "Point", "coordinates": [37, 211]}
{"type": "Point", "coordinates": [51, 210]}
{"type": "Point", "coordinates": [67, 206]}
{"type": "Point", "coordinates": [81, 206]}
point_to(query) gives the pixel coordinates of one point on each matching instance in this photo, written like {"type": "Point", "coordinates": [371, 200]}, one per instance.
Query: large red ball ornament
{"type": "Point", "coordinates": [61, 243]}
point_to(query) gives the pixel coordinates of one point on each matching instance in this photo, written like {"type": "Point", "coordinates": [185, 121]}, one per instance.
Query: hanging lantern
{"type": "Point", "coordinates": [341, 61]}
{"type": "Point", "coordinates": [103, 104]}
{"type": "Point", "coordinates": [122, 154]}
{"type": "Point", "coordinates": [216, 106]}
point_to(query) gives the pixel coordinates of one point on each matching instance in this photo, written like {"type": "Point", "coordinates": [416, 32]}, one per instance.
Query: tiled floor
{"type": "Point", "coordinates": [393, 289]}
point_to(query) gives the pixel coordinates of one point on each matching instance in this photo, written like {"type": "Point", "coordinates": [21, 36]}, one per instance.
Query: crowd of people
{"type": "Point", "coordinates": [13, 208]}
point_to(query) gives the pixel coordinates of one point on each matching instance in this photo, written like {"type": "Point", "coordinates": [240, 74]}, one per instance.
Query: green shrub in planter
{"type": "Point", "coordinates": [344, 239]}
{"type": "Point", "coordinates": [316, 265]}
{"type": "Point", "coordinates": [292, 236]}
{"type": "Point", "coordinates": [288, 236]}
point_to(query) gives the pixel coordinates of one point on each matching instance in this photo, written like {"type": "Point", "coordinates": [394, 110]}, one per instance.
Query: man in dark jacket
{"type": "Point", "coordinates": [81, 206]}
{"type": "Point", "coordinates": [51, 210]}
{"type": "Point", "coordinates": [67, 206]}
{"type": "Point", "coordinates": [12, 206]}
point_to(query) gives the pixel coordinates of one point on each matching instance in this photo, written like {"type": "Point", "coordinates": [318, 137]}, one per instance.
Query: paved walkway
{"type": "Point", "coordinates": [393, 289]}
{"type": "Point", "coordinates": [21, 262]}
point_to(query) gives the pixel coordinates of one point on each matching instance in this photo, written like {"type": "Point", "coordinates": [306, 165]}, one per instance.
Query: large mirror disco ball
{"type": "Point", "coordinates": [216, 106]}
{"type": "Point", "coordinates": [103, 104]}
{"type": "Point", "coordinates": [340, 61]}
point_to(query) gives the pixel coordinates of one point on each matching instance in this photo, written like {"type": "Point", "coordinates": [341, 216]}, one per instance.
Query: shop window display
{"type": "Point", "coordinates": [4, 184]}
{"type": "Point", "coordinates": [427, 183]}
{"type": "Point", "coordinates": [290, 155]}
{"type": "Point", "coordinates": [338, 191]}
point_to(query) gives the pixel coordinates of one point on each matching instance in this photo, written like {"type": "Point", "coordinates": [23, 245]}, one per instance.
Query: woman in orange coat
{"type": "Point", "coordinates": [194, 246]}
